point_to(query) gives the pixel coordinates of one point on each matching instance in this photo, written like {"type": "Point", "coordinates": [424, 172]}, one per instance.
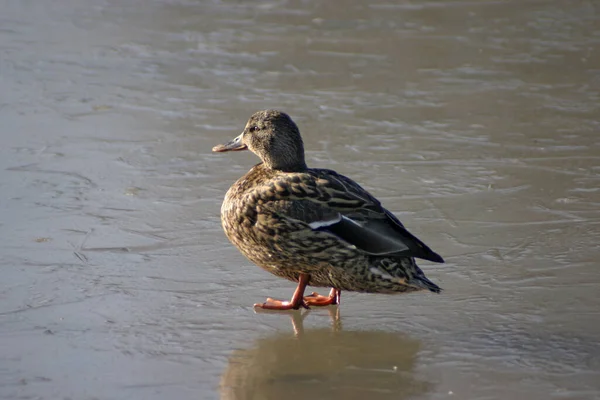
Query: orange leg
{"type": "Point", "coordinates": [315, 299]}
{"type": "Point", "coordinates": [295, 303]}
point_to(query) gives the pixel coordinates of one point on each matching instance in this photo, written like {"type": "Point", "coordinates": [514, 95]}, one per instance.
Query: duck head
{"type": "Point", "coordinates": [272, 136]}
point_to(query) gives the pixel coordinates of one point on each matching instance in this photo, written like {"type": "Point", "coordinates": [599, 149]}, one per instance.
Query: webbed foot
{"type": "Point", "coordinates": [317, 300]}
{"type": "Point", "coordinates": [296, 301]}
{"type": "Point", "coordinates": [272, 304]}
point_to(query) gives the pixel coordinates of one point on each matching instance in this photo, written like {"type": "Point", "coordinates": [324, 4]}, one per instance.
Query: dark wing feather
{"type": "Point", "coordinates": [379, 237]}
{"type": "Point", "coordinates": [336, 204]}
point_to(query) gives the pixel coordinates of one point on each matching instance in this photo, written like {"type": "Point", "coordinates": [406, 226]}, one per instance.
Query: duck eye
{"type": "Point", "coordinates": [254, 128]}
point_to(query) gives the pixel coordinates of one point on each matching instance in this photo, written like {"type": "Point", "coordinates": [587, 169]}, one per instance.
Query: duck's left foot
{"type": "Point", "coordinates": [272, 304]}
{"type": "Point", "coordinates": [315, 299]}
{"type": "Point", "coordinates": [296, 301]}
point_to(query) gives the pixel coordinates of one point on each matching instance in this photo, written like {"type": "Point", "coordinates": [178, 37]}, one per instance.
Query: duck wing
{"type": "Point", "coordinates": [330, 202]}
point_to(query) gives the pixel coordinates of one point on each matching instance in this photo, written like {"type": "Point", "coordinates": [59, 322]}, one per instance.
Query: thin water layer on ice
{"type": "Point", "coordinates": [475, 122]}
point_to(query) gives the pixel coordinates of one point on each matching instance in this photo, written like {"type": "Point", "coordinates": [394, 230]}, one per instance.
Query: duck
{"type": "Point", "coordinates": [314, 226]}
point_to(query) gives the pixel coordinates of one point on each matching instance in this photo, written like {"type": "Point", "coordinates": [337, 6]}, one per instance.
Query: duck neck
{"type": "Point", "coordinates": [295, 166]}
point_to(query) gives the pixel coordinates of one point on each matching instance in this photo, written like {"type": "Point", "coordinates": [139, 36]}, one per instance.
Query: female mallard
{"type": "Point", "coordinates": [314, 226]}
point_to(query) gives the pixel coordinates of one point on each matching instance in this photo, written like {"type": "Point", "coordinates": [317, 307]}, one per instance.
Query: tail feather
{"type": "Point", "coordinates": [403, 272]}
{"type": "Point", "coordinates": [427, 284]}
{"type": "Point", "coordinates": [419, 279]}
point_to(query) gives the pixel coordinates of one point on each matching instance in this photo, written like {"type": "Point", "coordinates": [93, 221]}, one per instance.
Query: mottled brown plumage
{"type": "Point", "coordinates": [315, 226]}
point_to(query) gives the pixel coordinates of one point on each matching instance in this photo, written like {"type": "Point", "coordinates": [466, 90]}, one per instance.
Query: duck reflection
{"type": "Point", "coordinates": [324, 364]}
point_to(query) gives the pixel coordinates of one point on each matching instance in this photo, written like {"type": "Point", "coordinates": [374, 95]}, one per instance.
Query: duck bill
{"type": "Point", "coordinates": [236, 144]}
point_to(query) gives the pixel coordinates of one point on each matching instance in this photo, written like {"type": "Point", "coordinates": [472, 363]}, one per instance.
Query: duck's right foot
{"type": "Point", "coordinates": [315, 299]}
